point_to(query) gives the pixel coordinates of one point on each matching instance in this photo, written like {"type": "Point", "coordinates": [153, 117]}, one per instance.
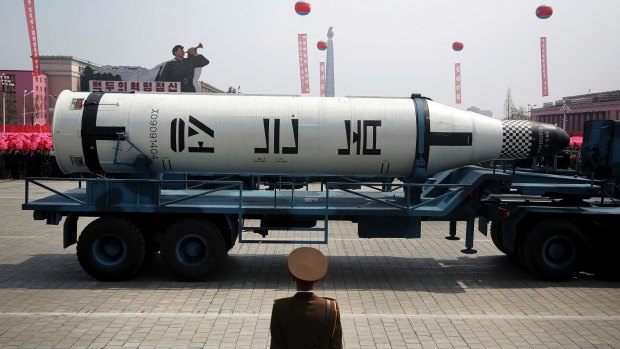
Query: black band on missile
{"type": "Point", "coordinates": [427, 133]}
{"type": "Point", "coordinates": [423, 126]}
{"type": "Point", "coordinates": [452, 139]}
{"type": "Point", "coordinates": [91, 133]}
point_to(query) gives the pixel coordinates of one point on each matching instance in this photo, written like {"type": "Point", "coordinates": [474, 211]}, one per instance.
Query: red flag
{"type": "Point", "coordinates": [322, 70]}
{"type": "Point", "coordinates": [303, 63]}
{"type": "Point", "coordinates": [457, 82]}
{"type": "Point", "coordinates": [32, 33]}
{"type": "Point", "coordinates": [543, 66]}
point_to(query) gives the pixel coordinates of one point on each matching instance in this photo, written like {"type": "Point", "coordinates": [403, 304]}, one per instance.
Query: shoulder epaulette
{"type": "Point", "coordinates": [336, 313]}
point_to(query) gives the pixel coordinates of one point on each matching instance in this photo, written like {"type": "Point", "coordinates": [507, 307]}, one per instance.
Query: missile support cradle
{"type": "Point", "coordinates": [554, 225]}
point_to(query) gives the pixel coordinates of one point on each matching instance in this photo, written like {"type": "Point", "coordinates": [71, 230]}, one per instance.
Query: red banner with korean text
{"type": "Point", "coordinates": [322, 72]}
{"type": "Point", "coordinates": [134, 86]}
{"type": "Point", "coordinates": [543, 66]}
{"type": "Point", "coordinates": [457, 82]}
{"type": "Point", "coordinates": [32, 33]}
{"type": "Point", "coordinates": [303, 63]}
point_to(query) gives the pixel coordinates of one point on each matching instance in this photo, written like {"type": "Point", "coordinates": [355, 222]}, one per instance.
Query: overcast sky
{"type": "Point", "coordinates": [382, 48]}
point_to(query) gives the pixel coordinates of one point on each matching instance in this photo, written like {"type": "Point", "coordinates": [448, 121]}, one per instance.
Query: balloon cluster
{"type": "Point", "coordinates": [26, 141]}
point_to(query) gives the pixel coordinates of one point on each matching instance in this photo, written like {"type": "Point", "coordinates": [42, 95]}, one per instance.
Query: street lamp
{"type": "Point", "coordinates": [564, 108]}
{"type": "Point", "coordinates": [48, 112]}
{"type": "Point", "coordinates": [529, 111]}
{"type": "Point", "coordinates": [26, 93]}
{"type": "Point", "coordinates": [5, 81]}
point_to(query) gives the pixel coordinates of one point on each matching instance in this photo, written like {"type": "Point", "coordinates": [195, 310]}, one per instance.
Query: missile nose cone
{"type": "Point", "coordinates": [523, 139]}
{"type": "Point", "coordinates": [558, 139]}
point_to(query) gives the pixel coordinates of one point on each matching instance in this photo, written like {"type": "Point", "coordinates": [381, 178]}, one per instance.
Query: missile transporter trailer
{"type": "Point", "coordinates": [554, 225]}
{"type": "Point", "coordinates": [551, 223]}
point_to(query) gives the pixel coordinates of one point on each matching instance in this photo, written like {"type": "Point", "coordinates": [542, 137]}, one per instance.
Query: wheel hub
{"type": "Point", "coordinates": [559, 251]}
{"type": "Point", "coordinates": [109, 250]}
{"type": "Point", "coordinates": [556, 250]}
{"type": "Point", "coordinates": [192, 249]}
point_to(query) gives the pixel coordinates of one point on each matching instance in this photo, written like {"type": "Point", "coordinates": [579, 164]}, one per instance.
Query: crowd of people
{"type": "Point", "coordinates": [26, 155]}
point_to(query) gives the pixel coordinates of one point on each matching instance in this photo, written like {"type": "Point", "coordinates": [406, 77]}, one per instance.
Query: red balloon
{"type": "Point", "coordinates": [302, 8]}
{"type": "Point", "coordinates": [321, 45]}
{"type": "Point", "coordinates": [457, 46]}
{"type": "Point", "coordinates": [544, 11]}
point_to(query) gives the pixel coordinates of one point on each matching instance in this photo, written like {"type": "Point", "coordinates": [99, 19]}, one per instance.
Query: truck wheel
{"type": "Point", "coordinates": [191, 248]}
{"type": "Point", "coordinates": [603, 259]}
{"type": "Point", "coordinates": [497, 238]}
{"type": "Point", "coordinates": [152, 231]}
{"type": "Point", "coordinates": [111, 249]}
{"type": "Point", "coordinates": [554, 250]}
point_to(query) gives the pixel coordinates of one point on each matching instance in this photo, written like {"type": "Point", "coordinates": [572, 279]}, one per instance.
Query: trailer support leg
{"type": "Point", "coordinates": [70, 229]}
{"type": "Point", "coordinates": [452, 235]}
{"type": "Point", "coordinates": [469, 237]}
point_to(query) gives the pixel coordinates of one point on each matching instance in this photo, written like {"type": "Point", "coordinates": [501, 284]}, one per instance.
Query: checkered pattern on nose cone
{"type": "Point", "coordinates": [516, 139]}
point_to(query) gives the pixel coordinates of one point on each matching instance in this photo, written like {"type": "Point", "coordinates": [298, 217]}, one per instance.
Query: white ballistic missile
{"type": "Point", "coordinates": [283, 135]}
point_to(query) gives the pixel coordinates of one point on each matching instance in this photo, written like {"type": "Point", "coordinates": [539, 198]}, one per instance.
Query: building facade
{"type": "Point", "coordinates": [27, 101]}
{"type": "Point", "coordinates": [477, 110]}
{"type": "Point", "coordinates": [30, 100]}
{"type": "Point", "coordinates": [207, 88]}
{"type": "Point", "coordinates": [64, 72]}
{"type": "Point", "coordinates": [572, 112]}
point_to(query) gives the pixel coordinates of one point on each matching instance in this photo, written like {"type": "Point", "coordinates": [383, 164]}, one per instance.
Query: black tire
{"type": "Point", "coordinates": [234, 237]}
{"type": "Point", "coordinates": [520, 247]}
{"type": "Point", "coordinates": [111, 249]}
{"type": "Point", "coordinates": [603, 259]}
{"type": "Point", "coordinates": [554, 250]}
{"type": "Point", "coordinates": [152, 245]}
{"type": "Point", "coordinates": [497, 238]}
{"type": "Point", "coordinates": [152, 229]}
{"type": "Point", "coordinates": [191, 248]}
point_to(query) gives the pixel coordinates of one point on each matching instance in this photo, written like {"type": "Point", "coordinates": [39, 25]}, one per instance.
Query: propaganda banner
{"type": "Point", "coordinates": [322, 72]}
{"type": "Point", "coordinates": [32, 33]}
{"type": "Point", "coordinates": [543, 66]}
{"type": "Point", "coordinates": [457, 82]}
{"type": "Point", "coordinates": [134, 86]}
{"type": "Point", "coordinates": [303, 63]}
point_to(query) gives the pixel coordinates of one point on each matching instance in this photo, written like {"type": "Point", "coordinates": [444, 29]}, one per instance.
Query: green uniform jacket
{"type": "Point", "coordinates": [305, 321]}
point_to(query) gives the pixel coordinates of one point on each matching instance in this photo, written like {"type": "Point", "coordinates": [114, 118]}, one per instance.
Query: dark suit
{"type": "Point", "coordinates": [305, 321]}
{"type": "Point", "coordinates": [182, 70]}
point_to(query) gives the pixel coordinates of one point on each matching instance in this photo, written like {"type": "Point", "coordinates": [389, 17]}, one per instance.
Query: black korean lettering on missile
{"type": "Point", "coordinates": [276, 138]}
{"type": "Point", "coordinates": [195, 128]}
{"type": "Point", "coordinates": [363, 134]}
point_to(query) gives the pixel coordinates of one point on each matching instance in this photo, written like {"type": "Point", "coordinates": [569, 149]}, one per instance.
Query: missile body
{"type": "Point", "coordinates": [283, 135]}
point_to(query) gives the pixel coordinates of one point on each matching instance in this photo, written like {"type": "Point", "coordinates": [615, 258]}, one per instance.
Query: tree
{"type": "Point", "coordinates": [520, 113]}
{"type": "Point", "coordinates": [509, 106]}
{"type": "Point", "coordinates": [511, 111]}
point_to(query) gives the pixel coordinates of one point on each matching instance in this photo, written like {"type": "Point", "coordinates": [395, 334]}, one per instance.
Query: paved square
{"type": "Point", "coordinates": [393, 293]}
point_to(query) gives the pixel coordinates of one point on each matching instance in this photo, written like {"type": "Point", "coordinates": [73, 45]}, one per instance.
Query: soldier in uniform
{"type": "Point", "coordinates": [306, 320]}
